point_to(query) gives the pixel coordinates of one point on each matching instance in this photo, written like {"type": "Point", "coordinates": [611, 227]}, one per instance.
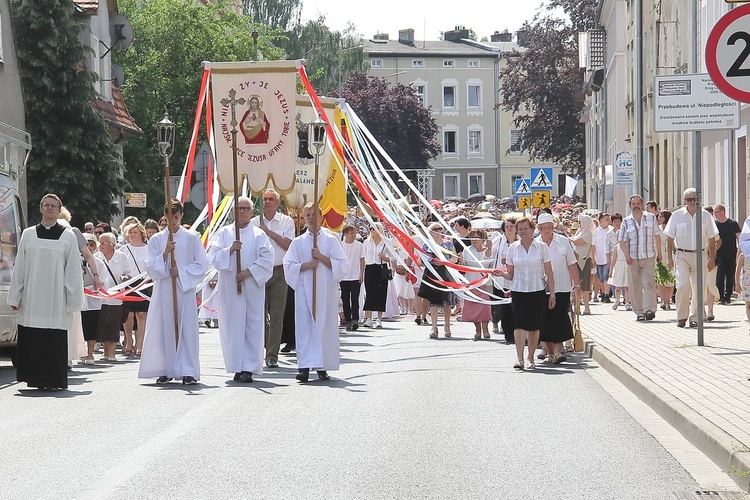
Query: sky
{"type": "Point", "coordinates": [427, 18]}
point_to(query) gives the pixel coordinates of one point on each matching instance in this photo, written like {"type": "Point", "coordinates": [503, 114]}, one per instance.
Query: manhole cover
{"type": "Point", "coordinates": [711, 495]}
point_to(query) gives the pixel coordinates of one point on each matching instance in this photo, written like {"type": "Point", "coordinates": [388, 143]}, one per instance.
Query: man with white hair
{"type": "Point", "coordinates": [242, 315]}
{"type": "Point", "coordinates": [117, 267]}
{"type": "Point", "coordinates": [682, 251]}
{"type": "Point", "coordinates": [280, 228]}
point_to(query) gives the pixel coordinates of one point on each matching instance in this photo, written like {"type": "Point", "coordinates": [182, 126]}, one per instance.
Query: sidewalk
{"type": "Point", "coordinates": [703, 392]}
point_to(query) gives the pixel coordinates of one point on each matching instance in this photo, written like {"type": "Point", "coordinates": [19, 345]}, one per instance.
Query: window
{"type": "Point", "coordinates": [451, 186]}
{"type": "Point", "coordinates": [475, 142]}
{"type": "Point", "coordinates": [474, 96]}
{"type": "Point", "coordinates": [513, 179]}
{"type": "Point", "coordinates": [420, 91]}
{"type": "Point", "coordinates": [449, 97]}
{"type": "Point", "coordinates": [476, 184]}
{"type": "Point", "coordinates": [473, 63]}
{"type": "Point", "coordinates": [515, 142]}
{"type": "Point", "coordinates": [376, 63]}
{"type": "Point", "coordinates": [417, 63]}
{"type": "Point", "coordinates": [449, 63]}
{"type": "Point", "coordinates": [449, 142]}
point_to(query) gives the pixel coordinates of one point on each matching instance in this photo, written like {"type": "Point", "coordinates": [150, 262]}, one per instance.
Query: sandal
{"type": "Point", "coordinates": [137, 354]}
{"type": "Point", "coordinates": [447, 334]}
{"type": "Point", "coordinates": [128, 352]}
{"type": "Point", "coordinates": [477, 336]}
{"type": "Point", "coordinates": [434, 333]}
{"type": "Point", "coordinates": [486, 335]}
{"type": "Point", "coordinates": [530, 365]}
{"type": "Point", "coordinates": [518, 365]}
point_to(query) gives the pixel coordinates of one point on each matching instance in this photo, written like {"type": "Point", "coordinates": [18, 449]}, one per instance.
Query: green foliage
{"type": "Point", "coordinates": [395, 117]}
{"type": "Point", "coordinates": [282, 14]}
{"type": "Point", "coordinates": [72, 153]}
{"type": "Point", "coordinates": [163, 71]}
{"type": "Point", "coordinates": [330, 55]}
{"type": "Point", "coordinates": [541, 86]}
{"type": "Point", "coordinates": [663, 275]}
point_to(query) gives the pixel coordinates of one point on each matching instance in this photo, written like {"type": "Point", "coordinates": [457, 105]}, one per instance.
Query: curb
{"type": "Point", "coordinates": [725, 451]}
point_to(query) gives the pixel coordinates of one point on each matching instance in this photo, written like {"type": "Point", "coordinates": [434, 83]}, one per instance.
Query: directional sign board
{"type": "Point", "coordinates": [135, 200]}
{"type": "Point", "coordinates": [541, 178]}
{"type": "Point", "coordinates": [522, 187]}
{"type": "Point", "coordinates": [524, 202]}
{"type": "Point", "coordinates": [727, 53]}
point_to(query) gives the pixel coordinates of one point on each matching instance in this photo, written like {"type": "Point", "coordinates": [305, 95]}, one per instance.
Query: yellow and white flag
{"type": "Point", "coordinates": [257, 99]}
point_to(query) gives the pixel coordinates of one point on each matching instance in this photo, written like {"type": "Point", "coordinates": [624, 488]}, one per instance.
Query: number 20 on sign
{"type": "Point", "coordinates": [728, 54]}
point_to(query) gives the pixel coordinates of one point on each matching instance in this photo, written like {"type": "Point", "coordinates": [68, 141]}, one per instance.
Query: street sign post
{"type": "Point", "coordinates": [541, 178]}
{"type": "Point", "coordinates": [727, 53]}
{"type": "Point", "coordinates": [135, 200]}
{"type": "Point", "coordinates": [522, 193]}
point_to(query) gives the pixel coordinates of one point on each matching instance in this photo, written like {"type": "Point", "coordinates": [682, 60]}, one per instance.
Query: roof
{"type": "Point", "coordinates": [117, 115]}
{"type": "Point", "coordinates": [425, 48]}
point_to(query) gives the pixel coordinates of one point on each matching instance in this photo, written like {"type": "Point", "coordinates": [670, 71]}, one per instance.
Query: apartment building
{"type": "Point", "coordinates": [457, 78]}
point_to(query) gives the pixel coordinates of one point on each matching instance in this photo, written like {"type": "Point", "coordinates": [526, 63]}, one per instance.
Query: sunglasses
{"type": "Point", "coordinates": [690, 199]}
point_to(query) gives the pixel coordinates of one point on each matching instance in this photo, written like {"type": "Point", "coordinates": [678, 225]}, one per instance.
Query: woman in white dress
{"type": "Point", "coordinates": [618, 277]}
{"type": "Point", "coordinates": [136, 250]}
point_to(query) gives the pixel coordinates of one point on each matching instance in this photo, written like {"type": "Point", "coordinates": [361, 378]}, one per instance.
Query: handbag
{"type": "Point", "coordinates": [578, 345]}
{"type": "Point", "coordinates": [385, 272]}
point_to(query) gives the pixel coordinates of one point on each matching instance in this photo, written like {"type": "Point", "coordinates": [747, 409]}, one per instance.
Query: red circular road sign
{"type": "Point", "coordinates": [728, 54]}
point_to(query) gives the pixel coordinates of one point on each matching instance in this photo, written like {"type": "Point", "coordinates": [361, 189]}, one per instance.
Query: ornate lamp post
{"type": "Point", "coordinates": [165, 137]}
{"type": "Point", "coordinates": [316, 133]}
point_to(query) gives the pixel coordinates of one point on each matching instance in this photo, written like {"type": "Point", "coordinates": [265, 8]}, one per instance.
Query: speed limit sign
{"type": "Point", "coordinates": [728, 54]}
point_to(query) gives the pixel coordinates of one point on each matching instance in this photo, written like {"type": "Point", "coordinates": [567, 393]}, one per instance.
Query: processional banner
{"type": "Point", "coordinates": [257, 99]}
{"type": "Point", "coordinates": [304, 171]}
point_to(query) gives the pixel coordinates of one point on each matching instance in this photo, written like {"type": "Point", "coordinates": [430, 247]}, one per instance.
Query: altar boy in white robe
{"type": "Point", "coordinates": [317, 339]}
{"type": "Point", "coordinates": [160, 357]}
{"type": "Point", "coordinates": [242, 316]}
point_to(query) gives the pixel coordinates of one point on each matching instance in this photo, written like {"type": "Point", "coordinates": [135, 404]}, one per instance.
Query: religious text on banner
{"type": "Point", "coordinates": [260, 98]}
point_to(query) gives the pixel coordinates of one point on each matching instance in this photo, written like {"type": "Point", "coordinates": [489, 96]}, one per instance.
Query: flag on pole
{"type": "Point", "coordinates": [333, 203]}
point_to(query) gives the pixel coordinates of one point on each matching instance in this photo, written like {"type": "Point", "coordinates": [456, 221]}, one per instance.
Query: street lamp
{"type": "Point", "coordinates": [165, 137]}
{"type": "Point", "coordinates": [386, 77]}
{"type": "Point", "coordinates": [316, 133]}
{"type": "Point", "coordinates": [341, 52]}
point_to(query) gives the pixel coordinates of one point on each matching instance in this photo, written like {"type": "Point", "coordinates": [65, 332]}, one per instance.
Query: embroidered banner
{"type": "Point", "coordinates": [258, 100]}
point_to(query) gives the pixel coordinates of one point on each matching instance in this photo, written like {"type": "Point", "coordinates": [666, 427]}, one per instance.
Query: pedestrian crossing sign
{"type": "Point", "coordinates": [540, 199]}
{"type": "Point", "coordinates": [524, 202]}
{"type": "Point", "coordinates": [522, 187]}
{"type": "Point", "coordinates": [541, 178]}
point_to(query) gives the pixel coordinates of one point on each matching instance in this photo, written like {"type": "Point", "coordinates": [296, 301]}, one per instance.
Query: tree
{"type": "Point", "coordinates": [396, 118]}
{"type": "Point", "coordinates": [281, 14]}
{"type": "Point", "coordinates": [541, 85]}
{"type": "Point", "coordinates": [330, 55]}
{"type": "Point", "coordinates": [163, 68]}
{"type": "Point", "coordinates": [73, 155]}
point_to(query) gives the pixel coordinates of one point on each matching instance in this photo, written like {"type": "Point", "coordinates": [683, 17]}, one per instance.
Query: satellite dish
{"type": "Point", "coordinates": [120, 32]}
{"type": "Point", "coordinates": [118, 75]}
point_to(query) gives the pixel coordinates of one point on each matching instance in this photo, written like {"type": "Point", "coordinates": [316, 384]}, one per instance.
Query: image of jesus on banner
{"type": "Point", "coordinates": [254, 125]}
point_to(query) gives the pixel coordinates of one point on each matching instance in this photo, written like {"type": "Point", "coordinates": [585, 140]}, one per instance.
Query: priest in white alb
{"type": "Point", "coordinates": [242, 315]}
{"type": "Point", "coordinates": [161, 357]}
{"type": "Point", "coordinates": [317, 339]}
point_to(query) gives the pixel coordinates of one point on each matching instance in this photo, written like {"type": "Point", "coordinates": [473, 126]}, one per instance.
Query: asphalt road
{"type": "Point", "coordinates": [406, 417]}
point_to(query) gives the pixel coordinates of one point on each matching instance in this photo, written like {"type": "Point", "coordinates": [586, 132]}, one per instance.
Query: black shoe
{"type": "Point", "coordinates": [303, 375]}
{"type": "Point", "coordinates": [348, 326]}
{"type": "Point", "coordinates": [323, 375]}
{"type": "Point", "coordinates": [649, 315]}
{"type": "Point", "coordinates": [681, 323]}
{"type": "Point", "coordinates": [246, 377]}
{"type": "Point", "coordinates": [237, 376]}
{"type": "Point", "coordinates": [640, 317]}
{"type": "Point", "coordinates": [355, 325]}
{"type": "Point", "coordinates": [272, 364]}
{"type": "Point", "coordinates": [163, 379]}
{"type": "Point", "coordinates": [722, 303]}
{"type": "Point", "coordinates": [287, 348]}
{"type": "Point", "coordinates": [418, 320]}
{"type": "Point", "coordinates": [189, 380]}
{"type": "Point", "coordinates": [606, 299]}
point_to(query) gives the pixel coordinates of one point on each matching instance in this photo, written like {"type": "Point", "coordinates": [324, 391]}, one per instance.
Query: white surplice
{"type": "Point", "coordinates": [242, 316]}
{"type": "Point", "coordinates": [47, 282]}
{"type": "Point", "coordinates": [317, 342]}
{"type": "Point", "coordinates": [160, 357]}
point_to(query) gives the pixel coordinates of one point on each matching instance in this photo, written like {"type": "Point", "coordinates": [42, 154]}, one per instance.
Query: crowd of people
{"type": "Point", "coordinates": [265, 282]}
